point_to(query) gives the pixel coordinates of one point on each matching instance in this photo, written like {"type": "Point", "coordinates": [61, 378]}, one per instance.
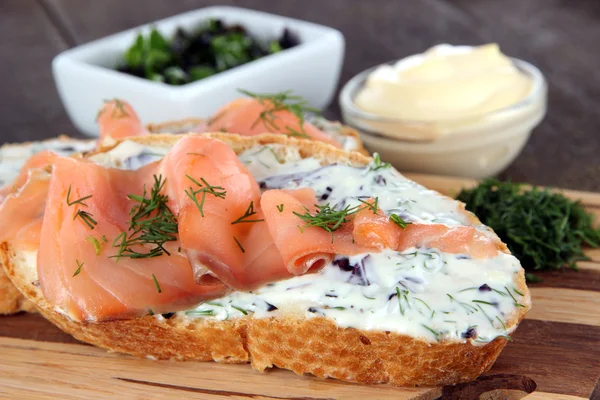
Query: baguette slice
{"type": "Point", "coordinates": [13, 156]}
{"type": "Point", "coordinates": [316, 345]}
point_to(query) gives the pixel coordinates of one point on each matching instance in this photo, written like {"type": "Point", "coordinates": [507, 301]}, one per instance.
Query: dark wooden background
{"type": "Point", "coordinates": [562, 37]}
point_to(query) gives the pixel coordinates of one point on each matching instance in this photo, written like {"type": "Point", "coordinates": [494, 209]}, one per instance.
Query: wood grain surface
{"type": "Point", "coordinates": [559, 36]}
{"type": "Point", "coordinates": [555, 354]}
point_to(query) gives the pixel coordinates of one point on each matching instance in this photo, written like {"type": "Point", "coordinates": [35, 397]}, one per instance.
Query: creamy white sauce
{"type": "Point", "coordinates": [14, 156]}
{"type": "Point", "coordinates": [345, 185]}
{"type": "Point", "coordinates": [442, 296]}
{"type": "Point", "coordinates": [422, 293]}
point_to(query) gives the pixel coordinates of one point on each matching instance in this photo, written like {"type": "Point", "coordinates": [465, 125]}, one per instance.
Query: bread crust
{"type": "Point", "coordinates": [186, 125]}
{"type": "Point", "coordinates": [304, 345]}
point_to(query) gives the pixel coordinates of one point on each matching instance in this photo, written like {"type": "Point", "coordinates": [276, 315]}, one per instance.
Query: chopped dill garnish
{"type": "Point", "coordinates": [204, 188]}
{"type": "Point", "coordinates": [426, 305]}
{"type": "Point", "coordinates": [484, 302]}
{"type": "Point", "coordinates": [239, 244]}
{"type": "Point", "coordinates": [513, 297]}
{"type": "Point", "coordinates": [468, 308]}
{"type": "Point", "coordinates": [87, 218]}
{"type": "Point", "coordinates": [118, 112]}
{"type": "Point", "coordinates": [79, 266]}
{"type": "Point", "coordinates": [280, 207]}
{"type": "Point", "coordinates": [327, 217]}
{"type": "Point", "coordinates": [544, 230]}
{"type": "Point", "coordinates": [374, 206]}
{"type": "Point", "coordinates": [150, 311]}
{"type": "Point", "coordinates": [240, 309]}
{"type": "Point", "coordinates": [484, 313]}
{"type": "Point", "coordinates": [402, 295]}
{"type": "Point", "coordinates": [104, 239]}
{"type": "Point", "coordinates": [433, 331]}
{"type": "Point", "coordinates": [152, 223]}
{"type": "Point", "coordinates": [95, 243]}
{"type": "Point", "coordinates": [338, 308]}
{"type": "Point", "coordinates": [501, 322]}
{"type": "Point", "coordinates": [158, 289]}
{"type": "Point", "coordinates": [200, 312]}
{"type": "Point", "coordinates": [283, 101]}
{"type": "Point", "coordinates": [249, 212]}
{"type": "Point", "coordinates": [377, 164]}
{"type": "Point", "coordinates": [469, 288]}
{"type": "Point", "coordinates": [78, 201]}
{"type": "Point", "coordinates": [517, 292]}
{"type": "Point", "coordinates": [214, 304]}
{"type": "Point", "coordinates": [399, 221]}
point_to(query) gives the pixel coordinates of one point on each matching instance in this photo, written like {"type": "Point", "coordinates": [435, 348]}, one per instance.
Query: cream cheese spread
{"type": "Point", "coordinates": [420, 292]}
{"type": "Point", "coordinates": [14, 156]}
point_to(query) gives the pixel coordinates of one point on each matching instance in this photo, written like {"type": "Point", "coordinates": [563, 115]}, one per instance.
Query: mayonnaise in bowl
{"type": "Point", "coordinates": [452, 110]}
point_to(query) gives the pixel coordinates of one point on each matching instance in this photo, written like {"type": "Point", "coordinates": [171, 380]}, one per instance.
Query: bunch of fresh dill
{"type": "Point", "coordinates": [544, 230]}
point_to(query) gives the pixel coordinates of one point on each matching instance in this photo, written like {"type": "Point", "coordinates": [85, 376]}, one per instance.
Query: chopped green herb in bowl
{"type": "Point", "coordinates": [192, 56]}
{"type": "Point", "coordinates": [543, 229]}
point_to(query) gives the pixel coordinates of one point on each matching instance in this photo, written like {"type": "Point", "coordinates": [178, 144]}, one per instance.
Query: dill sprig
{"type": "Point", "coordinates": [240, 309]}
{"type": "Point", "coordinates": [239, 244]}
{"type": "Point", "coordinates": [249, 213]}
{"type": "Point", "coordinates": [395, 218]}
{"type": "Point", "coordinates": [79, 266]}
{"type": "Point", "coordinates": [328, 217]}
{"type": "Point", "coordinates": [85, 216]}
{"type": "Point", "coordinates": [152, 223]}
{"type": "Point", "coordinates": [205, 188]}
{"type": "Point", "coordinates": [402, 295]}
{"type": "Point", "coordinates": [280, 207]}
{"type": "Point", "coordinates": [78, 201]}
{"type": "Point", "coordinates": [544, 230]}
{"type": "Point", "coordinates": [331, 219]}
{"type": "Point", "coordinates": [158, 289]}
{"type": "Point", "coordinates": [468, 308]}
{"type": "Point", "coordinates": [377, 164]}
{"type": "Point", "coordinates": [374, 206]}
{"type": "Point", "coordinates": [118, 112]}
{"type": "Point", "coordinates": [433, 331]}
{"type": "Point", "coordinates": [283, 101]}
{"type": "Point", "coordinates": [96, 243]}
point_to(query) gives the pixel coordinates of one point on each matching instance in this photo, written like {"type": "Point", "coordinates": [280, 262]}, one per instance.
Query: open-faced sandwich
{"type": "Point", "coordinates": [281, 113]}
{"type": "Point", "coordinates": [271, 250]}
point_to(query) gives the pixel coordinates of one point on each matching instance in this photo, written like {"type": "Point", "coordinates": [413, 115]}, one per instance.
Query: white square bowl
{"type": "Point", "coordinates": [85, 75]}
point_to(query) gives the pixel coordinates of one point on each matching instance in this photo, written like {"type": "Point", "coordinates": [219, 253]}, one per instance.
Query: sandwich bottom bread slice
{"type": "Point", "coordinates": [408, 289]}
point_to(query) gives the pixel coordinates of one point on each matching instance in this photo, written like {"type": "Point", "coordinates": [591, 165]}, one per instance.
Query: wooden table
{"type": "Point", "coordinates": [558, 36]}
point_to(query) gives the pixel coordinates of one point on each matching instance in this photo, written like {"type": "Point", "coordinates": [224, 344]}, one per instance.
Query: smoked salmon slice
{"type": "Point", "coordinates": [22, 211]}
{"type": "Point", "coordinates": [77, 264]}
{"type": "Point", "coordinates": [218, 203]}
{"type": "Point", "coordinates": [251, 116]}
{"type": "Point", "coordinates": [41, 160]}
{"type": "Point", "coordinates": [304, 248]}
{"type": "Point", "coordinates": [117, 119]}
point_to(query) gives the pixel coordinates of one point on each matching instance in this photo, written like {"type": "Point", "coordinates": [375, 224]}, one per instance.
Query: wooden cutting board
{"type": "Point", "coordinates": [555, 354]}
